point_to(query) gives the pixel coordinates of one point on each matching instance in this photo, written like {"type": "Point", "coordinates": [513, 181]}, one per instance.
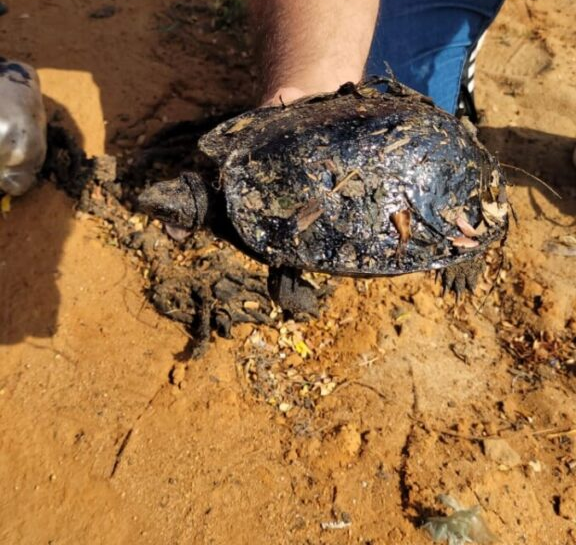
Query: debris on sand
{"type": "Point", "coordinates": [462, 526]}
{"type": "Point", "coordinates": [341, 523]}
{"type": "Point", "coordinates": [279, 367]}
{"type": "Point", "coordinates": [564, 245]}
{"type": "Point", "coordinates": [335, 525]}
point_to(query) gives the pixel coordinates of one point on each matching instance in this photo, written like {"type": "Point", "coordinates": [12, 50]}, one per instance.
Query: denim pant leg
{"type": "Point", "coordinates": [427, 43]}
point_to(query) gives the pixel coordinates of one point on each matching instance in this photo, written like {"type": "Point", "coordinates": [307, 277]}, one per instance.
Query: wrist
{"type": "Point", "coordinates": [281, 95]}
{"type": "Point", "coordinates": [285, 90]}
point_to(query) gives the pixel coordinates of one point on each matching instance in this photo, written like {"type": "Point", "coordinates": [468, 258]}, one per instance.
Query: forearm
{"type": "Point", "coordinates": [312, 46]}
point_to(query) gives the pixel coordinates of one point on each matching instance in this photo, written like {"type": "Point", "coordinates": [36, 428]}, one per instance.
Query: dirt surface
{"type": "Point", "coordinates": [359, 418]}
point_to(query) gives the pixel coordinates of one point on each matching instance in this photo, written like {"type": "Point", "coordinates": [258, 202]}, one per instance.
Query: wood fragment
{"type": "Point", "coordinates": [308, 214]}
{"type": "Point", "coordinates": [396, 145]}
{"type": "Point", "coordinates": [240, 125]}
{"type": "Point", "coordinates": [345, 180]}
{"type": "Point", "coordinates": [566, 433]}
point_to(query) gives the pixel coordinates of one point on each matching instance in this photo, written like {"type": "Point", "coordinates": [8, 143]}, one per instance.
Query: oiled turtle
{"type": "Point", "coordinates": [358, 182]}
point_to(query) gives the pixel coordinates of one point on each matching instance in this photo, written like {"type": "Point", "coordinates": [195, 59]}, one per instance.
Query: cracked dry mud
{"type": "Point", "coordinates": [341, 430]}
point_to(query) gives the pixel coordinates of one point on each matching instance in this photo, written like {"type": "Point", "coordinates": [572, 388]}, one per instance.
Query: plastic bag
{"type": "Point", "coordinates": [22, 127]}
{"type": "Point", "coordinates": [464, 525]}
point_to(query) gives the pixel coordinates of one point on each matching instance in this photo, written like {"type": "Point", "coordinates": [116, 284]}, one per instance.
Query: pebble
{"type": "Point", "coordinates": [536, 465]}
{"type": "Point", "coordinates": [499, 451]}
{"type": "Point", "coordinates": [284, 407]}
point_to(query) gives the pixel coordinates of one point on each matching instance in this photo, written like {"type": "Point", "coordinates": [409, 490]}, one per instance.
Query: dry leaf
{"type": "Point", "coordinates": [465, 227]}
{"type": "Point", "coordinates": [401, 221]}
{"type": "Point", "coordinates": [308, 214]}
{"type": "Point", "coordinates": [464, 242]}
{"type": "Point", "coordinates": [494, 212]}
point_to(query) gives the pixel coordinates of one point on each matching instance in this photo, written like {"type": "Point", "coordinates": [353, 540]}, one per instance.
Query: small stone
{"type": "Point", "coordinates": [350, 440]}
{"type": "Point", "coordinates": [327, 389]}
{"type": "Point", "coordinates": [499, 451]}
{"type": "Point", "coordinates": [536, 465]}
{"type": "Point", "coordinates": [103, 12]}
{"type": "Point", "coordinates": [284, 407]}
{"type": "Point", "coordinates": [177, 374]}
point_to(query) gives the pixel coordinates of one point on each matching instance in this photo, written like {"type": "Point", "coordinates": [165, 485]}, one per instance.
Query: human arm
{"type": "Point", "coordinates": [311, 46]}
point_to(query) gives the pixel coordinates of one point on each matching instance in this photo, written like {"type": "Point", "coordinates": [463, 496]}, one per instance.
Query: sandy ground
{"type": "Point", "coordinates": [107, 437]}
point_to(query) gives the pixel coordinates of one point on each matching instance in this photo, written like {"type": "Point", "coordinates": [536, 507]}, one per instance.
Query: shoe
{"type": "Point", "coordinates": [466, 106]}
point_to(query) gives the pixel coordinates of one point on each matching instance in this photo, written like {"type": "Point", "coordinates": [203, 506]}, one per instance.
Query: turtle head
{"type": "Point", "coordinates": [181, 203]}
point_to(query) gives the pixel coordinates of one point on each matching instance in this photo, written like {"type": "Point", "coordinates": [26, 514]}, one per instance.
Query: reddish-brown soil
{"type": "Point", "coordinates": [106, 436]}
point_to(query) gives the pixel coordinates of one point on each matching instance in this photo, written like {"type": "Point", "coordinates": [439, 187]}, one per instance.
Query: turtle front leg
{"type": "Point", "coordinates": [462, 276]}
{"type": "Point", "coordinates": [291, 292]}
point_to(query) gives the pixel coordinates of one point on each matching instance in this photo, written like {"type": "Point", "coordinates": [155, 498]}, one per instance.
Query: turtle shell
{"type": "Point", "coordinates": [358, 183]}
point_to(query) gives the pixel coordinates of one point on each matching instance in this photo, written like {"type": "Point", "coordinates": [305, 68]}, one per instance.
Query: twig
{"type": "Point", "coordinates": [363, 385]}
{"type": "Point", "coordinates": [120, 451]}
{"type": "Point", "coordinates": [552, 433]}
{"type": "Point", "coordinates": [546, 185]}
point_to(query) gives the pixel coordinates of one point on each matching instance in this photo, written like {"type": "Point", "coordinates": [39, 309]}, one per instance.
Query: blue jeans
{"type": "Point", "coordinates": [427, 43]}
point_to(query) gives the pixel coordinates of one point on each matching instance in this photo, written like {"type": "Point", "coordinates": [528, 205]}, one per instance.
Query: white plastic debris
{"type": "Point", "coordinates": [22, 127]}
{"type": "Point", "coordinates": [335, 525]}
{"type": "Point", "coordinates": [462, 526]}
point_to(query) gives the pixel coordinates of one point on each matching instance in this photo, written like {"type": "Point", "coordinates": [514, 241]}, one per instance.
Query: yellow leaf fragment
{"type": "Point", "coordinates": [6, 204]}
{"type": "Point", "coordinates": [239, 125]}
{"type": "Point", "coordinates": [302, 348]}
{"type": "Point", "coordinates": [402, 317]}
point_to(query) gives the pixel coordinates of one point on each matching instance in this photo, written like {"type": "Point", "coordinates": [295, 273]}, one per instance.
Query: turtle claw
{"type": "Point", "coordinates": [294, 295]}
{"type": "Point", "coordinates": [462, 277]}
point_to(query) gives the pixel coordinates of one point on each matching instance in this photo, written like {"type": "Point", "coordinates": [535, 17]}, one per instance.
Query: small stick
{"type": "Point", "coordinates": [561, 434]}
{"type": "Point", "coordinates": [346, 179]}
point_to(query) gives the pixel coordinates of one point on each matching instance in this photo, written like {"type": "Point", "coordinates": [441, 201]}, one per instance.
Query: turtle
{"type": "Point", "coordinates": [365, 181]}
